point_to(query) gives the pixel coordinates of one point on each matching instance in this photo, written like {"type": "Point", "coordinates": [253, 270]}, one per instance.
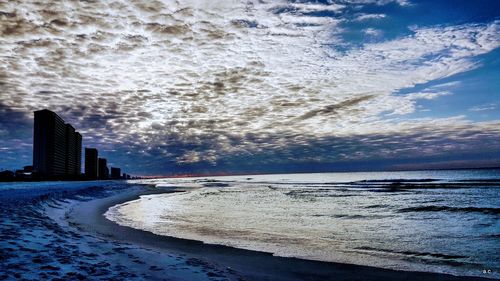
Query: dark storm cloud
{"type": "Point", "coordinates": [14, 124]}
{"type": "Point", "coordinates": [291, 151]}
{"type": "Point", "coordinates": [334, 109]}
{"type": "Point", "coordinates": [15, 138]}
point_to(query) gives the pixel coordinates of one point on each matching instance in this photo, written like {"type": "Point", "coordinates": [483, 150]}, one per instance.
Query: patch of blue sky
{"type": "Point", "coordinates": [399, 21]}
{"type": "Point", "coordinates": [475, 93]}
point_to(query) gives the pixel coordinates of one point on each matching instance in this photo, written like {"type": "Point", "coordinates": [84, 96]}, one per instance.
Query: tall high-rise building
{"type": "Point", "coordinates": [78, 154]}
{"type": "Point", "coordinates": [91, 163]}
{"type": "Point", "coordinates": [56, 147]}
{"type": "Point", "coordinates": [103, 169]}
{"type": "Point", "coordinates": [73, 152]}
{"type": "Point", "coordinates": [70, 150]}
{"type": "Point", "coordinates": [115, 173]}
{"type": "Point", "coordinates": [49, 145]}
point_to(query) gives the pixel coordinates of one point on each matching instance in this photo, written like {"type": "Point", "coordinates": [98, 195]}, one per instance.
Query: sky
{"type": "Point", "coordinates": [190, 87]}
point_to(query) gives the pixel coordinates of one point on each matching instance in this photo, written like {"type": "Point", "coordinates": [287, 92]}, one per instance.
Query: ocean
{"type": "Point", "coordinates": [435, 221]}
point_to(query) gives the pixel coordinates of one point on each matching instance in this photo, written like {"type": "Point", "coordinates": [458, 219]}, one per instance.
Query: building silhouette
{"type": "Point", "coordinates": [78, 154]}
{"type": "Point", "coordinates": [56, 147]}
{"type": "Point", "coordinates": [103, 169]}
{"type": "Point", "coordinates": [70, 150]}
{"type": "Point", "coordinates": [7, 175]}
{"type": "Point", "coordinates": [115, 173]}
{"type": "Point", "coordinates": [57, 153]}
{"type": "Point", "coordinates": [91, 163]}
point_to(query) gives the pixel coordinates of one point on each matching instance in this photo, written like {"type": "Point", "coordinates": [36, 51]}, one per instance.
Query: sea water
{"type": "Point", "coordinates": [437, 221]}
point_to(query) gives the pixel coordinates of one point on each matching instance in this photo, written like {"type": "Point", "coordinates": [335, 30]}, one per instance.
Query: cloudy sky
{"type": "Point", "coordinates": [162, 87]}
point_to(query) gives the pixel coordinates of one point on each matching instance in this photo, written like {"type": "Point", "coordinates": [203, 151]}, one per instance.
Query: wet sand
{"type": "Point", "coordinates": [225, 262]}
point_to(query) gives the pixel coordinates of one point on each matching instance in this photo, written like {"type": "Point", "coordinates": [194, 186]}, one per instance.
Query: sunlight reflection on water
{"type": "Point", "coordinates": [417, 225]}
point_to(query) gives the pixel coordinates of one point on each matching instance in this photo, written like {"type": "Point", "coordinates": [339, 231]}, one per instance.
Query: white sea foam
{"type": "Point", "coordinates": [321, 217]}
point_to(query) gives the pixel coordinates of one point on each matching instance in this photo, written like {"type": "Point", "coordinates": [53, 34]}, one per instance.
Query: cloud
{"type": "Point", "coordinates": [372, 32]}
{"type": "Point", "coordinates": [484, 107]}
{"type": "Point", "coordinates": [364, 17]}
{"type": "Point", "coordinates": [334, 109]}
{"type": "Point", "coordinates": [204, 81]}
{"type": "Point", "coordinates": [377, 2]}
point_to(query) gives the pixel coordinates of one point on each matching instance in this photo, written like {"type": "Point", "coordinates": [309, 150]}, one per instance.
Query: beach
{"type": "Point", "coordinates": [288, 140]}
{"type": "Point", "coordinates": [42, 240]}
{"type": "Point", "coordinates": [62, 234]}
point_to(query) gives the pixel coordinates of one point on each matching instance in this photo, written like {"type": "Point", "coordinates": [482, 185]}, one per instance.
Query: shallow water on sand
{"type": "Point", "coordinates": [439, 221]}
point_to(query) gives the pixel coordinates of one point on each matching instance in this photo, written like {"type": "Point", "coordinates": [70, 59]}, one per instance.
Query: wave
{"type": "Point", "coordinates": [484, 210]}
{"type": "Point", "coordinates": [347, 216]}
{"type": "Point", "coordinates": [425, 257]}
{"type": "Point", "coordinates": [417, 254]}
{"type": "Point", "coordinates": [397, 180]}
{"type": "Point", "coordinates": [215, 184]}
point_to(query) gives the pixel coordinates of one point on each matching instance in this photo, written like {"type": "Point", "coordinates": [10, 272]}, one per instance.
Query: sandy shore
{"type": "Point", "coordinates": [64, 236]}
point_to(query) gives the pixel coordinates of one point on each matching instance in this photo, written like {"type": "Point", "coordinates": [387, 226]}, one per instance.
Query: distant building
{"type": "Point", "coordinates": [28, 168]}
{"type": "Point", "coordinates": [103, 169]}
{"type": "Point", "coordinates": [91, 164]}
{"type": "Point", "coordinates": [49, 145]}
{"type": "Point", "coordinates": [115, 173]}
{"type": "Point", "coordinates": [25, 174]}
{"type": "Point", "coordinates": [6, 175]}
